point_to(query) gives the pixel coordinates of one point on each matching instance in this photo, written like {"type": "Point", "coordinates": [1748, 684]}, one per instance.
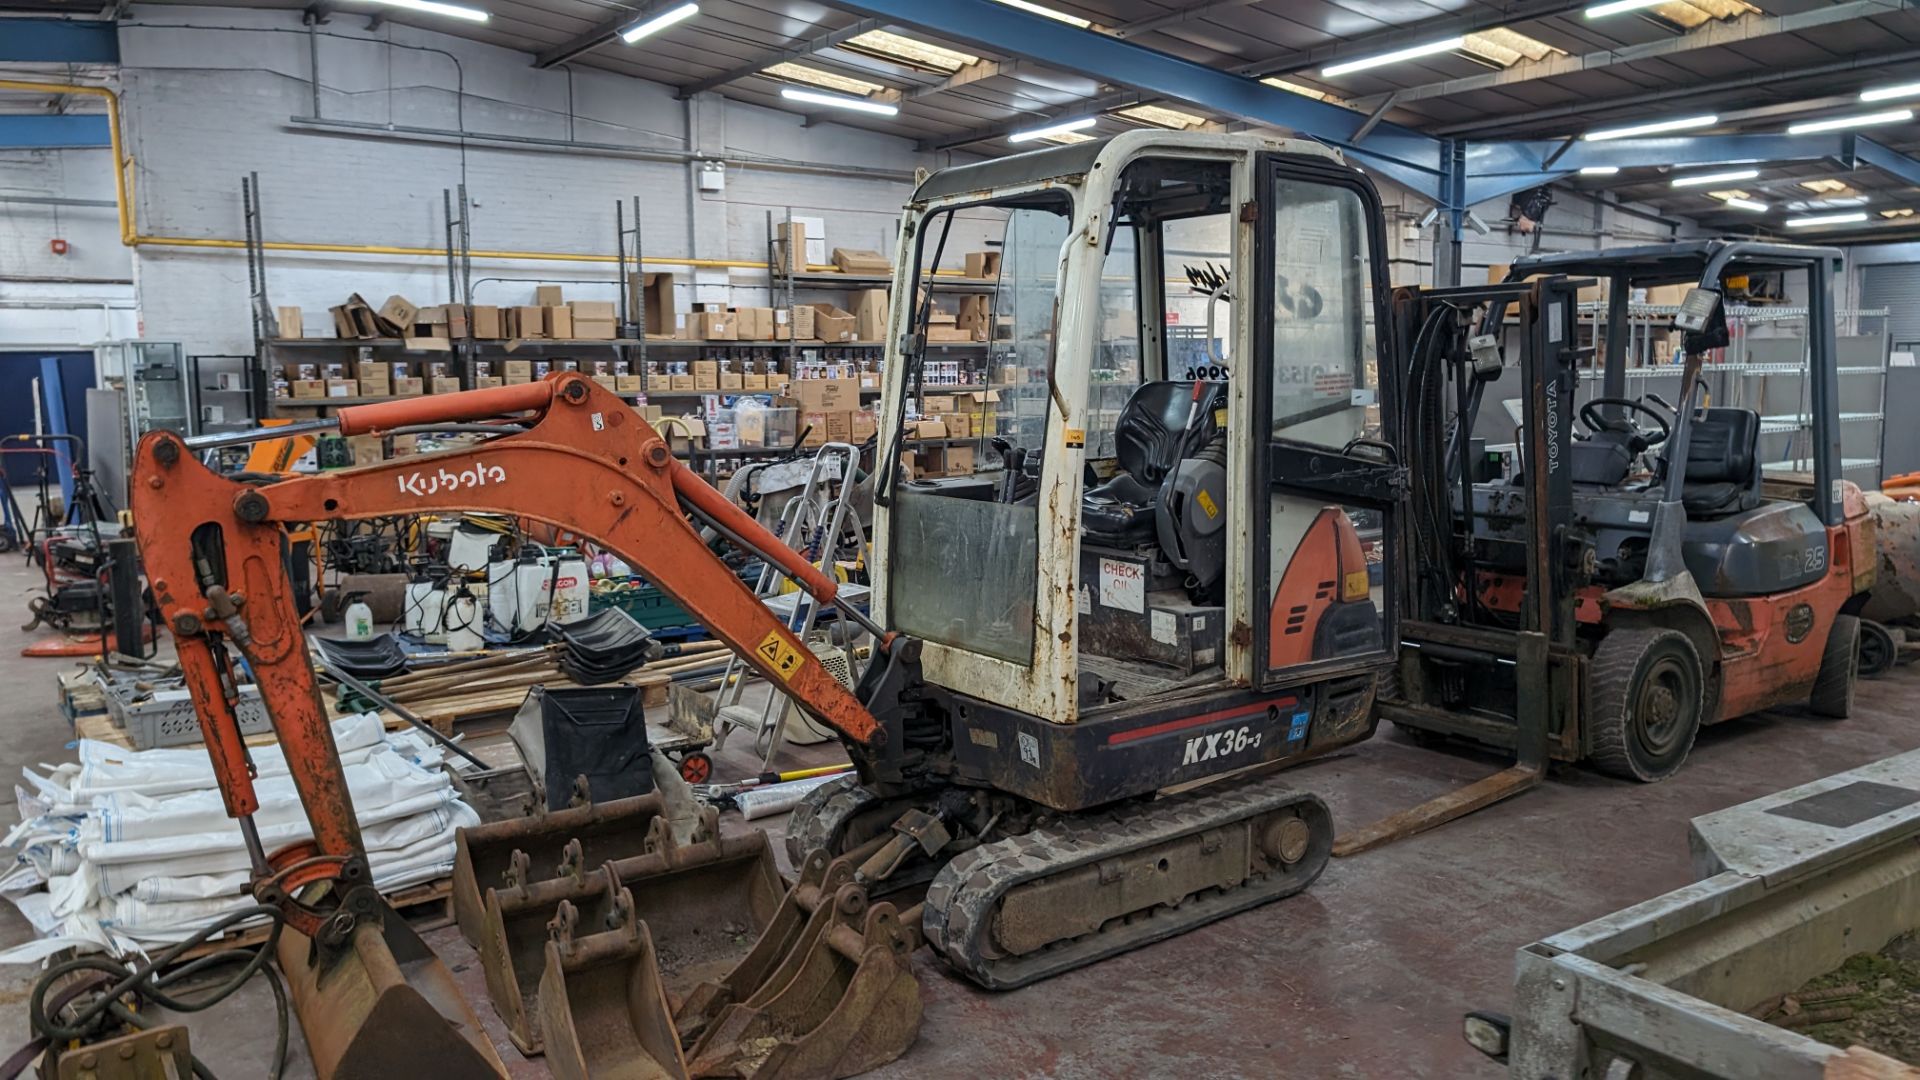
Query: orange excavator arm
{"type": "Point", "coordinates": [575, 456]}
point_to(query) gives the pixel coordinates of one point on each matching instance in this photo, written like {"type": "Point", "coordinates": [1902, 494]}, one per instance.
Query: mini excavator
{"type": "Point", "coordinates": [1088, 663]}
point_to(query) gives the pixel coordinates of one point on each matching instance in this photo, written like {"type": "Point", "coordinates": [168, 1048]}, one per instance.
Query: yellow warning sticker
{"type": "Point", "coordinates": [1355, 585]}
{"type": "Point", "coordinates": [783, 658]}
{"type": "Point", "coordinates": [1220, 417]}
{"type": "Point", "coordinates": [1205, 499]}
{"type": "Point", "coordinates": [1076, 437]}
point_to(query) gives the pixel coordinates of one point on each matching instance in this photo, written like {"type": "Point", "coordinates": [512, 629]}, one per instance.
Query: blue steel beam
{"type": "Point", "coordinates": [1501, 168]}
{"type": "Point", "coordinates": [58, 41]}
{"type": "Point", "coordinates": [1887, 159]}
{"type": "Point", "coordinates": [45, 132]}
{"type": "Point", "coordinates": [1409, 156]}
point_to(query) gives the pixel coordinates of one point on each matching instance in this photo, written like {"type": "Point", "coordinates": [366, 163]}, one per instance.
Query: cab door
{"type": "Point", "coordinates": [1326, 480]}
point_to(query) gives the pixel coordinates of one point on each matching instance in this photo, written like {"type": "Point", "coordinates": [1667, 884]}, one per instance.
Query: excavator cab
{"type": "Point", "coordinates": [1175, 560]}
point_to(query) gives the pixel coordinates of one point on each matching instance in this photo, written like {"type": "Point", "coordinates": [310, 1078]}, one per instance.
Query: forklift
{"type": "Point", "coordinates": [1628, 572]}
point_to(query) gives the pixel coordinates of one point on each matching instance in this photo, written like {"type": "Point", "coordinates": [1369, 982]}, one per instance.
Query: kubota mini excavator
{"type": "Point", "coordinates": [1181, 572]}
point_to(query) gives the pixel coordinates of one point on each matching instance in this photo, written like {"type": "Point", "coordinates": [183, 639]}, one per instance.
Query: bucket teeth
{"type": "Point", "coordinates": [602, 1003]}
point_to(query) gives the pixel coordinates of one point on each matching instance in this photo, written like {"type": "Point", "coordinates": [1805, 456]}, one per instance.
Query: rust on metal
{"type": "Point", "coordinates": [601, 999]}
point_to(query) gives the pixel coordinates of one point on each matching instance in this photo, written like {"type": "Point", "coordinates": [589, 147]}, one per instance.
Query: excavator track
{"type": "Point", "coordinates": [1094, 885]}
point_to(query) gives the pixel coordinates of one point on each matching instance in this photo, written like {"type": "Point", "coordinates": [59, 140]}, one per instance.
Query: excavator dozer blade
{"type": "Point", "coordinates": [385, 1007]}
{"type": "Point", "coordinates": [602, 1004]}
{"type": "Point", "coordinates": [707, 901]}
{"type": "Point", "coordinates": [529, 849]}
{"type": "Point", "coordinates": [843, 1001]}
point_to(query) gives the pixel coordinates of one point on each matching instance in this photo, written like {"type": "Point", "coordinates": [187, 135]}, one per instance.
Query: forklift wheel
{"type": "Point", "coordinates": [1832, 695]}
{"type": "Point", "coordinates": [1878, 650]}
{"type": "Point", "coordinates": [1644, 694]}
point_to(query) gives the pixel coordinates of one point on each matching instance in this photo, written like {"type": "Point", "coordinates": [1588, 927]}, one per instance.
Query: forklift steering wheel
{"type": "Point", "coordinates": [1596, 423]}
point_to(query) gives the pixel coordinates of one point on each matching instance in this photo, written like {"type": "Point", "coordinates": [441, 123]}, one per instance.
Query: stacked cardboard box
{"type": "Point", "coordinates": [982, 264]}
{"type": "Point", "coordinates": [870, 314]}
{"type": "Point", "coordinates": [852, 261]}
{"type": "Point", "coordinates": [832, 324]}
{"type": "Point", "coordinates": [594, 320]}
{"type": "Point", "coordinates": [826, 406]}
{"type": "Point", "coordinates": [790, 247]}
{"type": "Point", "coordinates": [651, 295]}
{"type": "Point", "coordinates": [291, 322]}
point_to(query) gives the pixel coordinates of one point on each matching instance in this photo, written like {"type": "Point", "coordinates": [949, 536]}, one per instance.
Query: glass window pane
{"type": "Point", "coordinates": [1323, 337]}
{"type": "Point", "coordinates": [1201, 243]}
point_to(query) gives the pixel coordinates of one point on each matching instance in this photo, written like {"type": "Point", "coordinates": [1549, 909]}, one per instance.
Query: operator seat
{"type": "Point", "coordinates": [1149, 438]}
{"type": "Point", "coordinates": [1723, 463]}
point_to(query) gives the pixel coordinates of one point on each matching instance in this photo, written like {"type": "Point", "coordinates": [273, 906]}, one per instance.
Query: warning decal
{"type": "Point", "coordinates": [783, 658]}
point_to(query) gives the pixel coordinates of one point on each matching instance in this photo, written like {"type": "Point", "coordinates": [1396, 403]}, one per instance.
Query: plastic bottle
{"type": "Point", "coordinates": [414, 618]}
{"type": "Point", "coordinates": [463, 622]}
{"type": "Point", "coordinates": [433, 621]}
{"type": "Point", "coordinates": [359, 618]}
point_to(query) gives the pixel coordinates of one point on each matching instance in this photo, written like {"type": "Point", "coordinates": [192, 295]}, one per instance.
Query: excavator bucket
{"type": "Point", "coordinates": [841, 1002]}
{"type": "Point", "coordinates": [525, 850]}
{"type": "Point", "coordinates": [706, 902]}
{"type": "Point", "coordinates": [602, 1004]}
{"type": "Point", "coordinates": [386, 1006]}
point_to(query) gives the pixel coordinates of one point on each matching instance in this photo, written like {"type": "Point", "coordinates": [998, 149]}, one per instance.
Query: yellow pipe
{"type": "Point", "coordinates": [113, 135]}
{"type": "Point", "coordinates": [130, 235]}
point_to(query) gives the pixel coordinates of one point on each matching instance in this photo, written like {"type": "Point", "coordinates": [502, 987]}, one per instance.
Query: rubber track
{"type": "Point", "coordinates": [823, 811]}
{"type": "Point", "coordinates": [963, 896]}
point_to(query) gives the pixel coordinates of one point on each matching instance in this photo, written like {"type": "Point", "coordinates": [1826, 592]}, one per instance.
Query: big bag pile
{"type": "Point", "coordinates": [127, 850]}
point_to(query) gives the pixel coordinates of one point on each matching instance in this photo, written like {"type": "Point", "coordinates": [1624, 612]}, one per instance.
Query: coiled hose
{"type": "Point", "coordinates": [93, 997]}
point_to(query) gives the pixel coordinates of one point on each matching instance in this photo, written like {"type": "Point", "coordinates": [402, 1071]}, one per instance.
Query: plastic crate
{"type": "Point", "coordinates": [166, 717]}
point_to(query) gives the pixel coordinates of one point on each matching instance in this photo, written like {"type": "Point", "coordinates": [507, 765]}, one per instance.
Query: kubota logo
{"type": "Point", "coordinates": [432, 483]}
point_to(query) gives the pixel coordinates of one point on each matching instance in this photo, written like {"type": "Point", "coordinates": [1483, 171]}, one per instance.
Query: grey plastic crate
{"type": "Point", "coordinates": [165, 715]}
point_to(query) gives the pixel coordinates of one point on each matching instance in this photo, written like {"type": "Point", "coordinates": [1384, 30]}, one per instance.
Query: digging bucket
{"type": "Point", "coordinates": [602, 1003]}
{"type": "Point", "coordinates": [530, 849]}
{"type": "Point", "coordinates": [706, 903]}
{"type": "Point", "coordinates": [843, 1001]}
{"type": "Point", "coordinates": [385, 1006]}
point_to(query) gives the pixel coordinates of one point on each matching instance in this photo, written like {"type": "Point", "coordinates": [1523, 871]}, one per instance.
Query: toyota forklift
{"type": "Point", "coordinates": [1626, 573]}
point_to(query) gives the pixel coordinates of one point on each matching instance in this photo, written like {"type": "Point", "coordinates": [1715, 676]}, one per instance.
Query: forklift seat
{"type": "Point", "coordinates": [1723, 463]}
{"type": "Point", "coordinates": [1149, 438]}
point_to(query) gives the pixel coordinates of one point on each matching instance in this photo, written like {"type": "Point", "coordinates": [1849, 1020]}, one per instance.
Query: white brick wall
{"type": "Point", "coordinates": [92, 233]}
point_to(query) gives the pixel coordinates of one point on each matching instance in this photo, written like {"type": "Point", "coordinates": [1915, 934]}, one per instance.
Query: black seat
{"type": "Point", "coordinates": [1149, 438]}
{"type": "Point", "coordinates": [1723, 463]}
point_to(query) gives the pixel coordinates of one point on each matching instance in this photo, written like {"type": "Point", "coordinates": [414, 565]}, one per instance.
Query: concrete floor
{"type": "Point", "coordinates": [1366, 974]}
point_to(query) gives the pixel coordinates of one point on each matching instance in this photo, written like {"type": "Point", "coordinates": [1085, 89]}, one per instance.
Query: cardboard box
{"type": "Point", "coordinates": [865, 424]}
{"type": "Point", "coordinates": [434, 315]}
{"type": "Point", "coordinates": [594, 310]}
{"type": "Point", "coordinates": [343, 388]}
{"type": "Point", "coordinates": [356, 319]}
{"type": "Point", "coordinates": [948, 335]}
{"type": "Point", "coordinates": [706, 374]}
{"type": "Point", "coordinates": [938, 404]}
{"type": "Point", "coordinates": [790, 247]}
{"type": "Point", "coordinates": [444, 384]}
{"type": "Point", "coordinates": [409, 387]}
{"type": "Point", "coordinates": [399, 314]}
{"type": "Point", "coordinates": [976, 315]}
{"type": "Point", "coordinates": [527, 322]}
{"type": "Point", "coordinates": [606, 381]}
{"type": "Point", "coordinates": [832, 324]}
{"type": "Point", "coordinates": [302, 371]}
{"type": "Point", "coordinates": [813, 426]}
{"type": "Point", "coordinates": [520, 369]}
{"type": "Point", "coordinates": [559, 323]}
{"type": "Point", "coordinates": [854, 261]}
{"type": "Point", "coordinates": [1668, 295]}
{"type": "Point", "coordinates": [870, 314]}
{"type": "Point", "coordinates": [926, 429]}
{"type": "Point", "coordinates": [487, 322]}
{"type": "Point", "coordinates": [713, 326]}
{"type": "Point", "coordinates": [840, 426]}
{"type": "Point", "coordinates": [959, 425]}
{"type": "Point", "coordinates": [680, 382]}
{"type": "Point", "coordinates": [825, 395]}
{"type": "Point", "coordinates": [292, 324]}
{"type": "Point", "coordinates": [983, 264]}
{"type": "Point", "coordinates": [949, 460]}
{"type": "Point", "coordinates": [375, 385]}
{"type": "Point", "coordinates": [651, 295]}
{"type": "Point", "coordinates": [483, 382]}
{"type": "Point", "coordinates": [754, 323]}
{"type": "Point", "coordinates": [732, 380]}
{"type": "Point", "coordinates": [753, 381]}
{"type": "Point", "coordinates": [430, 344]}
{"type": "Point", "coordinates": [658, 383]}
{"type": "Point", "coordinates": [629, 384]}
{"type": "Point", "coordinates": [548, 296]}
{"type": "Point", "coordinates": [307, 388]}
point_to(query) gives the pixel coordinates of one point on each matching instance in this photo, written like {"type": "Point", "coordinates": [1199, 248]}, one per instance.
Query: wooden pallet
{"type": "Point", "coordinates": [427, 906]}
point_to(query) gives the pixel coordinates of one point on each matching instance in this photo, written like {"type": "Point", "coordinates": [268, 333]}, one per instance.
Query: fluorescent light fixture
{"type": "Point", "coordinates": [659, 22]}
{"type": "Point", "coordinates": [1599, 170]}
{"type": "Point", "coordinates": [1049, 13]}
{"type": "Point", "coordinates": [1748, 204]}
{"type": "Point", "coordinates": [1394, 57]}
{"type": "Point", "coordinates": [1890, 93]}
{"type": "Point", "coordinates": [1836, 123]}
{"type": "Point", "coordinates": [1076, 124]}
{"type": "Point", "coordinates": [1826, 219]}
{"type": "Point", "coordinates": [812, 97]}
{"type": "Point", "coordinates": [434, 8]}
{"type": "Point", "coordinates": [1714, 177]}
{"type": "Point", "coordinates": [1654, 127]}
{"type": "Point", "coordinates": [1616, 7]}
